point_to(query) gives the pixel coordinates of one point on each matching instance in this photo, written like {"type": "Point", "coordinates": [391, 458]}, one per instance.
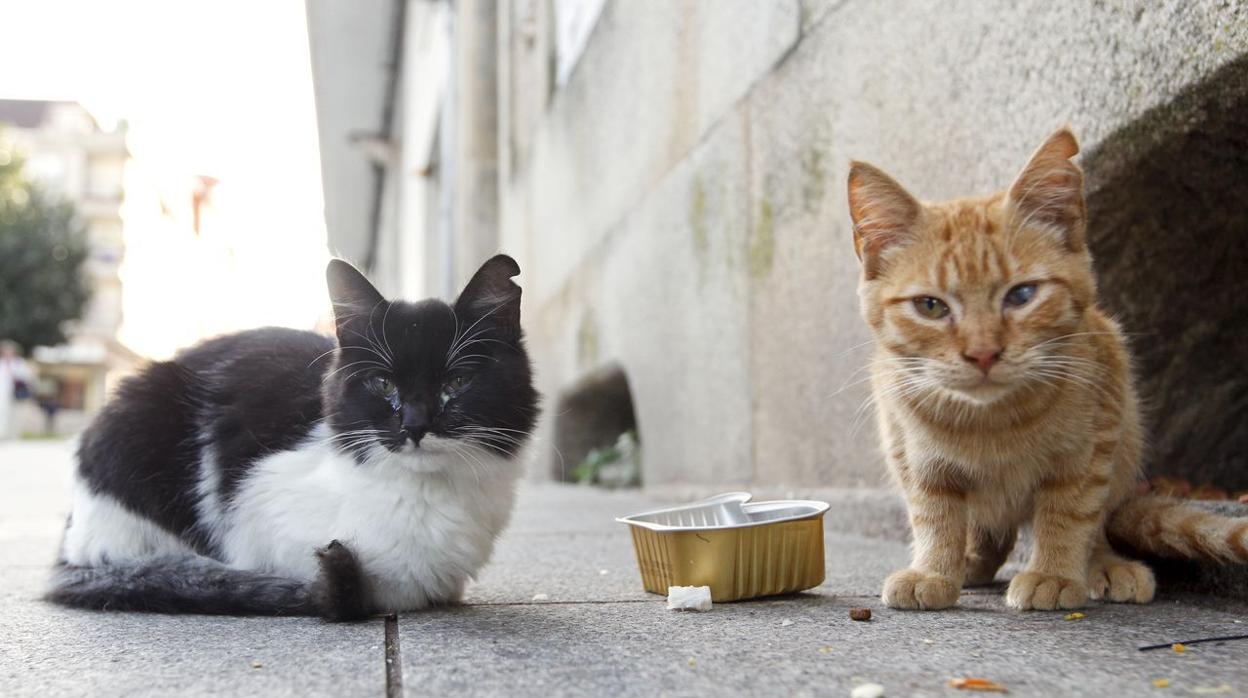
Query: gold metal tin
{"type": "Point", "coordinates": [740, 550]}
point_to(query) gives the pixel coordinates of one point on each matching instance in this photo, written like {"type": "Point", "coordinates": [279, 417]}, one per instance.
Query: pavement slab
{"type": "Point", "coordinates": [807, 645]}
{"type": "Point", "coordinates": [595, 631]}
{"type": "Point", "coordinates": [47, 650]}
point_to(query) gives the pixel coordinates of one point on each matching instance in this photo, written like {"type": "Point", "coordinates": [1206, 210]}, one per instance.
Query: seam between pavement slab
{"type": "Point", "coordinates": [394, 658]}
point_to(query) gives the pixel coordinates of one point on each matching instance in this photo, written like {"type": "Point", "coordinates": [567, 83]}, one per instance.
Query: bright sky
{"type": "Point", "coordinates": [219, 88]}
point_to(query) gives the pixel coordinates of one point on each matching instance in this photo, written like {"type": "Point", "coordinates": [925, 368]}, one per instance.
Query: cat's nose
{"type": "Point", "coordinates": [415, 422]}
{"type": "Point", "coordinates": [415, 434]}
{"type": "Point", "coordinates": [985, 358]}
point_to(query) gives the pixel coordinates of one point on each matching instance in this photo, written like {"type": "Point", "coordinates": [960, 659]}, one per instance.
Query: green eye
{"type": "Point", "coordinates": [382, 387]}
{"type": "Point", "coordinates": [932, 308]}
{"type": "Point", "coordinates": [1020, 295]}
{"type": "Point", "coordinates": [453, 389]}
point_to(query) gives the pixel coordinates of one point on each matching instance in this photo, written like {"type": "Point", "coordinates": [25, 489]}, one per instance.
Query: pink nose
{"type": "Point", "coordinates": [985, 358]}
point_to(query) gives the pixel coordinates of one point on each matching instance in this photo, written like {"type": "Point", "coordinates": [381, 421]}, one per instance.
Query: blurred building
{"type": "Point", "coordinates": [68, 153]}
{"type": "Point", "coordinates": [670, 176]}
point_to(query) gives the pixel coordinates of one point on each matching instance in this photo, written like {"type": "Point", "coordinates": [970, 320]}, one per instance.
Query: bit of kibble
{"type": "Point", "coordinates": [1161, 683]}
{"type": "Point", "coordinates": [1179, 647]}
{"type": "Point", "coordinates": [860, 613]}
{"type": "Point", "coordinates": [1220, 689]}
{"type": "Point", "coordinates": [867, 690]}
{"type": "Point", "coordinates": [1075, 616]}
{"type": "Point", "coordinates": [973, 684]}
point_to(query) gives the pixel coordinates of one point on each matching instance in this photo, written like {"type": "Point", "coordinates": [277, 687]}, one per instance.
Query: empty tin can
{"type": "Point", "coordinates": [740, 549]}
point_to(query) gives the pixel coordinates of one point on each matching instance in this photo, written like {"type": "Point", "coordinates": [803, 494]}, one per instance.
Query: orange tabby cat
{"type": "Point", "coordinates": [1004, 395]}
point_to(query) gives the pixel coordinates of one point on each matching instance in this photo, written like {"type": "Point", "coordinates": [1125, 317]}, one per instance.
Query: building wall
{"type": "Point", "coordinates": [670, 175]}
{"type": "Point", "coordinates": [67, 153]}
{"type": "Point", "coordinates": [678, 205]}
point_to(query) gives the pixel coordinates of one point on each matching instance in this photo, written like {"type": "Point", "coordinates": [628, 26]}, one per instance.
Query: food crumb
{"type": "Point", "coordinates": [786, 622]}
{"type": "Point", "coordinates": [826, 649]}
{"type": "Point", "coordinates": [1075, 616]}
{"type": "Point", "coordinates": [969, 684]}
{"type": "Point", "coordinates": [928, 641]}
{"type": "Point", "coordinates": [692, 662]}
{"type": "Point", "coordinates": [255, 664]}
{"type": "Point", "coordinates": [1161, 683]}
{"type": "Point", "coordinates": [860, 613]}
{"type": "Point", "coordinates": [867, 690]}
{"type": "Point", "coordinates": [541, 597]}
{"type": "Point", "coordinates": [1179, 647]}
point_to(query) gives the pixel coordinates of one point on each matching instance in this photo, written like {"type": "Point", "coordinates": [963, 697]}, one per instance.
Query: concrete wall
{"type": "Point", "coordinates": [349, 47]}
{"type": "Point", "coordinates": [678, 206]}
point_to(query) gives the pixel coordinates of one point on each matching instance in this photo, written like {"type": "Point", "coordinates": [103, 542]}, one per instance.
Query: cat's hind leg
{"type": "Point", "coordinates": [986, 551]}
{"type": "Point", "coordinates": [1115, 578]}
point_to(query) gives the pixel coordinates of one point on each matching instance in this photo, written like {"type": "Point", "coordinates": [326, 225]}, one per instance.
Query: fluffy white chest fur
{"type": "Point", "coordinates": [421, 523]}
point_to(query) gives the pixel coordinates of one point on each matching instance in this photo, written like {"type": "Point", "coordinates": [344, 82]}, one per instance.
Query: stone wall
{"type": "Point", "coordinates": [678, 207]}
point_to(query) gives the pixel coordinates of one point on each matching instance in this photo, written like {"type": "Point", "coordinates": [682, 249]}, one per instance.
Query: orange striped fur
{"type": "Point", "coordinates": [998, 412]}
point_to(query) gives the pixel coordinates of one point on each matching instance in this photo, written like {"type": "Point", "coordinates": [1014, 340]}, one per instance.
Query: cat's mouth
{"type": "Point", "coordinates": [429, 444]}
{"type": "Point", "coordinates": [982, 388]}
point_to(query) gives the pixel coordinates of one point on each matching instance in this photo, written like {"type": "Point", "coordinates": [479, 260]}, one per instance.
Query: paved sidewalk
{"type": "Point", "coordinates": [594, 632]}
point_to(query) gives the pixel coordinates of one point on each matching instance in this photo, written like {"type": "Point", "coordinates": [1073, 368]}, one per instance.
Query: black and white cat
{"type": "Point", "coordinates": [277, 472]}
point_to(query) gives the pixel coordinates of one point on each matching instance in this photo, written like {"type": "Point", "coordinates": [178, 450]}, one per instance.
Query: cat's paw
{"type": "Point", "coordinates": [914, 589]}
{"type": "Point", "coordinates": [1121, 581]}
{"type": "Point", "coordinates": [1045, 592]}
{"type": "Point", "coordinates": [341, 591]}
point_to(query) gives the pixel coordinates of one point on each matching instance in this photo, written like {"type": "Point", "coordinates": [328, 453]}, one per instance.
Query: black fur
{"type": "Point", "coordinates": [423, 346]}
{"type": "Point", "coordinates": [342, 592]}
{"type": "Point", "coordinates": [459, 372]}
{"type": "Point", "coordinates": [203, 585]}
{"type": "Point", "coordinates": [141, 449]}
{"type": "Point", "coordinates": [246, 394]}
{"type": "Point", "coordinates": [180, 585]}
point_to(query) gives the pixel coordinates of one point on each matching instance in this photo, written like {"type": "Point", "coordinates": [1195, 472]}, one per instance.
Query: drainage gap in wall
{"type": "Point", "coordinates": [596, 438]}
{"type": "Point", "coordinates": [1168, 225]}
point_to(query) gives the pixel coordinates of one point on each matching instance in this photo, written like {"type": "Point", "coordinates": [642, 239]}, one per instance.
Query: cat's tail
{"type": "Point", "coordinates": [202, 585]}
{"type": "Point", "coordinates": [1172, 528]}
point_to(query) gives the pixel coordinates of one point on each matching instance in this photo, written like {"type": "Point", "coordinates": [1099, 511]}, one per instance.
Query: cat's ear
{"type": "Point", "coordinates": [884, 214]}
{"type": "Point", "coordinates": [354, 298]}
{"type": "Point", "coordinates": [1049, 190]}
{"type": "Point", "coordinates": [492, 297]}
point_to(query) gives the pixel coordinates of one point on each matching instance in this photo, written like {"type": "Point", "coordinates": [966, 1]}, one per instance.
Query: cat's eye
{"type": "Point", "coordinates": [932, 308]}
{"type": "Point", "coordinates": [453, 388]}
{"type": "Point", "coordinates": [1020, 295]}
{"type": "Point", "coordinates": [382, 387]}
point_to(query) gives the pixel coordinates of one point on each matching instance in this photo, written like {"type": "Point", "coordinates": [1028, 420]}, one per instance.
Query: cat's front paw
{"type": "Point", "coordinates": [341, 591]}
{"type": "Point", "coordinates": [915, 589]}
{"type": "Point", "coordinates": [1045, 592]}
{"type": "Point", "coordinates": [1121, 581]}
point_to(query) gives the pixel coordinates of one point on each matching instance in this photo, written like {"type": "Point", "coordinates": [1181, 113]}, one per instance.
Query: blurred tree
{"type": "Point", "coordinates": [42, 251]}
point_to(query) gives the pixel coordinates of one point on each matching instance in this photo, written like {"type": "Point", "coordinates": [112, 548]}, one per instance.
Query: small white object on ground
{"type": "Point", "coordinates": [786, 622]}
{"type": "Point", "coordinates": [688, 598]}
{"type": "Point", "coordinates": [541, 597]}
{"type": "Point", "coordinates": [868, 690]}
